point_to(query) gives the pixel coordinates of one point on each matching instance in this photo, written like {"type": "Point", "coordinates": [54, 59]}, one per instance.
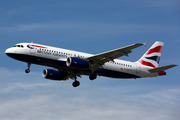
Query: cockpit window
{"type": "Point", "coordinates": [19, 46]}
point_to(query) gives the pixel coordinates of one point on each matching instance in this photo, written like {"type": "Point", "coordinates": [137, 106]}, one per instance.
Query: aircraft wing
{"type": "Point", "coordinates": [99, 59]}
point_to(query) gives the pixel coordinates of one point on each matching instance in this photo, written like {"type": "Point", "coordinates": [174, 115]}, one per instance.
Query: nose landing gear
{"type": "Point", "coordinates": [28, 70]}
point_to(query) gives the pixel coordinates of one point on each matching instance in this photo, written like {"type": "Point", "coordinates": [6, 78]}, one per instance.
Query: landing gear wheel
{"type": "Point", "coordinates": [27, 70]}
{"type": "Point", "coordinates": [92, 76]}
{"type": "Point", "coordinates": [29, 65]}
{"type": "Point", "coordinates": [76, 83]}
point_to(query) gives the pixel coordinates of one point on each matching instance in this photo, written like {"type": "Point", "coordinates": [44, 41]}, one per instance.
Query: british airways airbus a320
{"type": "Point", "coordinates": [68, 64]}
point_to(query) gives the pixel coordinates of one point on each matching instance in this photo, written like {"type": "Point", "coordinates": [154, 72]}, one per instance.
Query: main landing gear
{"type": "Point", "coordinates": [28, 70]}
{"type": "Point", "coordinates": [92, 76]}
{"type": "Point", "coordinates": [75, 83]}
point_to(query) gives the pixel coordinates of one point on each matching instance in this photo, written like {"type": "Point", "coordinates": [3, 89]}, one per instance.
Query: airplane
{"type": "Point", "coordinates": [67, 64]}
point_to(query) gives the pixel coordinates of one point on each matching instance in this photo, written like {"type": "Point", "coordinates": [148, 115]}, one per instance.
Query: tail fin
{"type": "Point", "coordinates": [152, 57]}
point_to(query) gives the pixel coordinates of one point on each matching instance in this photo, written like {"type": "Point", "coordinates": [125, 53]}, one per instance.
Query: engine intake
{"type": "Point", "coordinates": [77, 63]}
{"type": "Point", "coordinates": [54, 74]}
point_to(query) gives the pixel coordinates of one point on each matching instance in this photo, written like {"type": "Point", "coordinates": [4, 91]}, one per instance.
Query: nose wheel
{"type": "Point", "coordinates": [28, 70]}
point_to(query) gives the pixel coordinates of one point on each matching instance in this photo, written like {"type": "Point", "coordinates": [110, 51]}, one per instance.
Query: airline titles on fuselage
{"type": "Point", "coordinates": [51, 53]}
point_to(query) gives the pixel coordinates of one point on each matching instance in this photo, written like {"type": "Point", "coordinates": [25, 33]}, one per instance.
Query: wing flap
{"type": "Point", "coordinates": [159, 69]}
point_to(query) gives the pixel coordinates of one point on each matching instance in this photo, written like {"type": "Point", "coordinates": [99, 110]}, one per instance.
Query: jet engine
{"type": "Point", "coordinates": [54, 74]}
{"type": "Point", "coordinates": [78, 63]}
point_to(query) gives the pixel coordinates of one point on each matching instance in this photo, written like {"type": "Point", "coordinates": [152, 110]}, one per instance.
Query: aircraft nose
{"type": "Point", "coordinates": [9, 52]}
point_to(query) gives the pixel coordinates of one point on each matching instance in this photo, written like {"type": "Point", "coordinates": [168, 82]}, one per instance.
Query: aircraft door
{"type": "Point", "coordinates": [32, 49]}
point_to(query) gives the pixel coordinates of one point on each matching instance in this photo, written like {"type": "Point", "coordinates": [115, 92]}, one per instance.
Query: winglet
{"type": "Point", "coordinates": [145, 44]}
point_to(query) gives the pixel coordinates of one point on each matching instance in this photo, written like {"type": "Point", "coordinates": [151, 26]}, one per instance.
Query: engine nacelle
{"type": "Point", "coordinates": [54, 74]}
{"type": "Point", "coordinates": [75, 62]}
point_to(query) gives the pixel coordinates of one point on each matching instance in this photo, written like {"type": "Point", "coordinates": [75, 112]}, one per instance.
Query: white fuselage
{"type": "Point", "coordinates": [57, 57]}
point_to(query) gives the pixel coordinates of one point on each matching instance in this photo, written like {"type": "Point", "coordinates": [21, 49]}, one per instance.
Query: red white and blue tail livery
{"type": "Point", "coordinates": [67, 64]}
{"type": "Point", "coordinates": [152, 57]}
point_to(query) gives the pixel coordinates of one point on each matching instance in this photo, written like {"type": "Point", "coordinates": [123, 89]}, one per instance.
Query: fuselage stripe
{"type": "Point", "coordinates": [36, 46]}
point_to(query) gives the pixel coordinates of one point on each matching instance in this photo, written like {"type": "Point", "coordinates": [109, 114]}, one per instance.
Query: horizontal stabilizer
{"type": "Point", "coordinates": [159, 69]}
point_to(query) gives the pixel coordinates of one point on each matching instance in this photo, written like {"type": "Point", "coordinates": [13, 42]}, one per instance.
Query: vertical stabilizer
{"type": "Point", "coordinates": [152, 57]}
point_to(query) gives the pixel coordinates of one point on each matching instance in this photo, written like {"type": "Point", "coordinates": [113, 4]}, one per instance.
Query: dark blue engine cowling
{"type": "Point", "coordinates": [53, 74]}
{"type": "Point", "coordinates": [77, 63]}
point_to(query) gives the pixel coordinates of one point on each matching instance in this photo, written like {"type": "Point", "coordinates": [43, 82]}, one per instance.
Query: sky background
{"type": "Point", "coordinates": [93, 27]}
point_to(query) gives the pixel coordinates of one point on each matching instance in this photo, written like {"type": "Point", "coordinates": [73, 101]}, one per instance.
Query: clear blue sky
{"type": "Point", "coordinates": [92, 27]}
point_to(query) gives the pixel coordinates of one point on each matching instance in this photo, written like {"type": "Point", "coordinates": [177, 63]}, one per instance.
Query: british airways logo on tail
{"type": "Point", "coordinates": [152, 57]}
{"type": "Point", "coordinates": [155, 58]}
{"type": "Point", "coordinates": [157, 49]}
